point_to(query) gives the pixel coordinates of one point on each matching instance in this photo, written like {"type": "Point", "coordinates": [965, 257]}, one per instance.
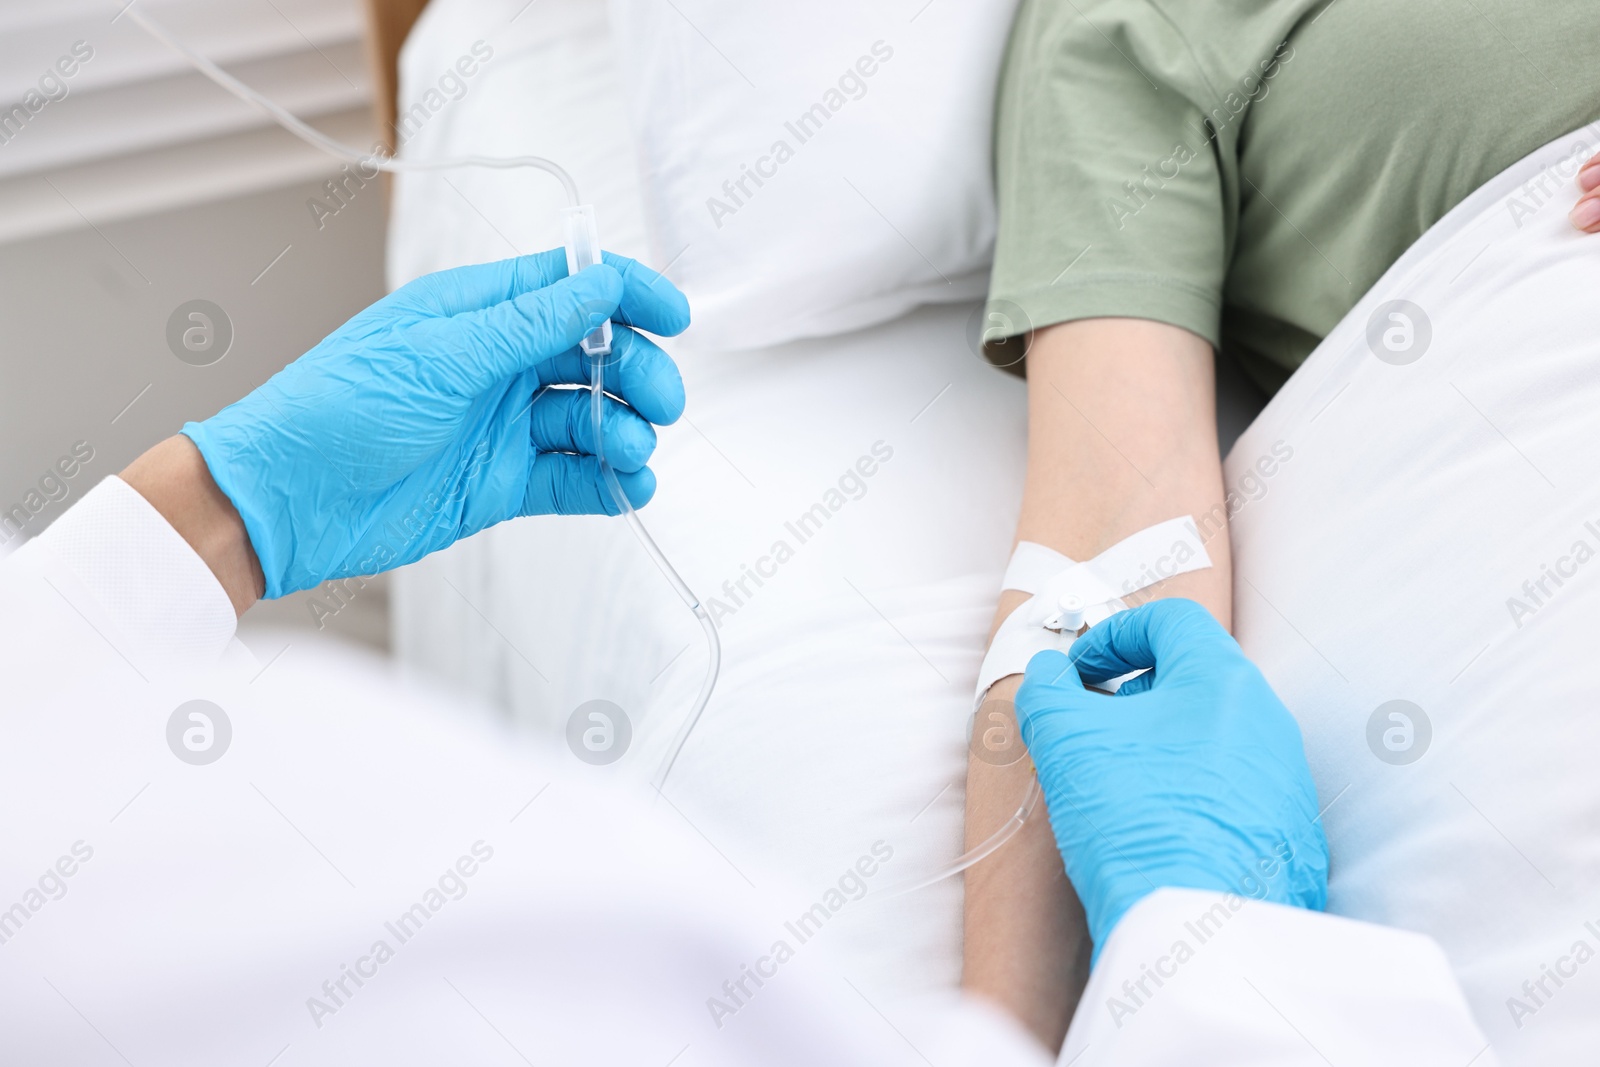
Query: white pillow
{"type": "Point", "coordinates": [548, 87]}
{"type": "Point", "coordinates": [814, 168]}
{"type": "Point", "coordinates": [1409, 511]}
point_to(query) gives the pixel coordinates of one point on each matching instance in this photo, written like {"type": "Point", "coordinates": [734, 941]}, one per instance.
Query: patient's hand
{"type": "Point", "coordinates": [1586, 215]}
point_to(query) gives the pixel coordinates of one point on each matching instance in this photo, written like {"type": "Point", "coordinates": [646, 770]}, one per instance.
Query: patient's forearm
{"type": "Point", "coordinates": [1121, 435]}
{"type": "Point", "coordinates": [1026, 945]}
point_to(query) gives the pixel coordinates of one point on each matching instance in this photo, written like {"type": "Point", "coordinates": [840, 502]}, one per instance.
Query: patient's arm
{"type": "Point", "coordinates": [1121, 435]}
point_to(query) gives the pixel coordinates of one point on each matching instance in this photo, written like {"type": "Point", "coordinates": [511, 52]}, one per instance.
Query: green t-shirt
{"type": "Point", "coordinates": [1247, 170]}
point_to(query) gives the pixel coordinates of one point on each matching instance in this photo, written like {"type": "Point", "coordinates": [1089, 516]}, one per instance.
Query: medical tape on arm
{"type": "Point", "coordinates": [1062, 587]}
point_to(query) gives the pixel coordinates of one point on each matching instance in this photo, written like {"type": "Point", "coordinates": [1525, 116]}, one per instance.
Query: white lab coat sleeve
{"type": "Point", "coordinates": [1191, 977]}
{"type": "Point", "coordinates": [361, 870]}
{"type": "Point", "coordinates": [113, 565]}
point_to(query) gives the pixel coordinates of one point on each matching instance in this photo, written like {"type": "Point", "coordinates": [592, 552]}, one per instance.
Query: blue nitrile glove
{"type": "Point", "coordinates": [426, 418]}
{"type": "Point", "coordinates": [1193, 775]}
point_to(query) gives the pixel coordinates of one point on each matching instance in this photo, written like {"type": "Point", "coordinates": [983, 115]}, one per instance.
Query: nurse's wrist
{"type": "Point", "coordinates": [1115, 893]}
{"type": "Point", "coordinates": [174, 479]}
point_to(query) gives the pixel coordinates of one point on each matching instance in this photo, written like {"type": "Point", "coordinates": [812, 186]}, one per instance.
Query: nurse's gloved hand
{"type": "Point", "coordinates": [1193, 775]}
{"type": "Point", "coordinates": [428, 417]}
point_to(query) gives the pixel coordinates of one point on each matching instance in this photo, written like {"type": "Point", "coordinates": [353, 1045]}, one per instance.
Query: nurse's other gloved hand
{"type": "Point", "coordinates": [1193, 775]}
{"type": "Point", "coordinates": [1586, 214]}
{"type": "Point", "coordinates": [429, 417]}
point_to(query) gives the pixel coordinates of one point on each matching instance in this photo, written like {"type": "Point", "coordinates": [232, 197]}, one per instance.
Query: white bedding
{"type": "Point", "coordinates": [841, 717]}
{"type": "Point", "coordinates": [1381, 563]}
{"type": "Point", "coordinates": [1373, 564]}
{"type": "Point", "coordinates": [815, 168]}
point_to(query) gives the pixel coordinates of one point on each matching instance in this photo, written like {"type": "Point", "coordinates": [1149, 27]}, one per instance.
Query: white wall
{"type": "Point", "coordinates": [106, 228]}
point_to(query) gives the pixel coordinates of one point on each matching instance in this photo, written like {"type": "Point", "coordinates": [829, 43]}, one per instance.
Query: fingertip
{"type": "Point", "coordinates": [1052, 666]}
{"type": "Point", "coordinates": [649, 300]}
{"type": "Point", "coordinates": [1050, 685]}
{"type": "Point", "coordinates": [638, 486]}
{"type": "Point", "coordinates": [1586, 213]}
{"type": "Point", "coordinates": [1048, 672]}
{"type": "Point", "coordinates": [648, 379]}
{"type": "Point", "coordinates": [630, 442]}
{"type": "Point", "coordinates": [667, 384]}
{"type": "Point", "coordinates": [677, 314]}
{"type": "Point", "coordinates": [668, 306]}
{"type": "Point", "coordinates": [580, 303]}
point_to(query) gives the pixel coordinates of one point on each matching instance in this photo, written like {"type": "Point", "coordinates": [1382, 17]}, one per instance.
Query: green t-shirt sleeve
{"type": "Point", "coordinates": [1116, 158]}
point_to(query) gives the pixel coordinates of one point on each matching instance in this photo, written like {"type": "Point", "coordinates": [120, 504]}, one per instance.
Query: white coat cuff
{"type": "Point", "coordinates": [1190, 976]}
{"type": "Point", "coordinates": [126, 567]}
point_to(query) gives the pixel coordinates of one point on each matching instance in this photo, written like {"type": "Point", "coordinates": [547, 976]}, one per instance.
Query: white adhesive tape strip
{"type": "Point", "coordinates": [1031, 566]}
{"type": "Point", "coordinates": [1136, 562]}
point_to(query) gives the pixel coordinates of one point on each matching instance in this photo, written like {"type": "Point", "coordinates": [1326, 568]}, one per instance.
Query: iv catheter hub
{"type": "Point", "coordinates": [583, 250]}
